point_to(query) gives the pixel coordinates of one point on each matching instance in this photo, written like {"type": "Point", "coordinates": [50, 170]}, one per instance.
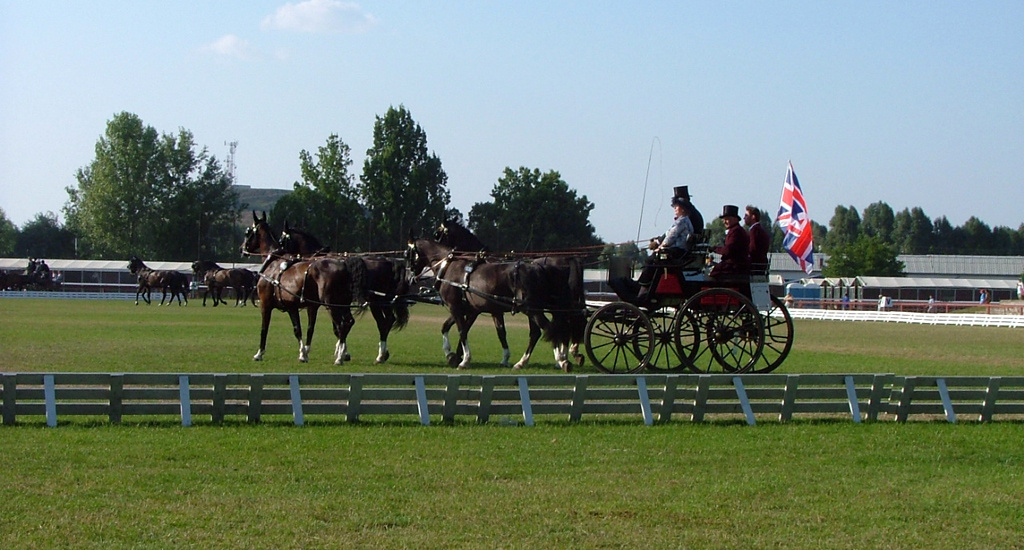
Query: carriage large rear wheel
{"type": "Point", "coordinates": [667, 355]}
{"type": "Point", "coordinates": [778, 337]}
{"type": "Point", "coordinates": [619, 339]}
{"type": "Point", "coordinates": [730, 329]}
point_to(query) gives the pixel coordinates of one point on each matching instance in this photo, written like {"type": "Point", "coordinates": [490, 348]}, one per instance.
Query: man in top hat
{"type": "Point", "coordinates": [736, 250]}
{"type": "Point", "coordinates": [673, 245]}
{"type": "Point", "coordinates": [696, 219]}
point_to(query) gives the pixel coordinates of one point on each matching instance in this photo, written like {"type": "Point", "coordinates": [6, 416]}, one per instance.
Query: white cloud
{"type": "Point", "coordinates": [230, 45]}
{"type": "Point", "coordinates": [320, 16]}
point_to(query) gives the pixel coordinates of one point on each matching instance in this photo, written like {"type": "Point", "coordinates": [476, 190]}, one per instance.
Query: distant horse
{"type": "Point", "coordinates": [174, 281]}
{"type": "Point", "coordinates": [470, 288]}
{"type": "Point", "coordinates": [218, 278]}
{"type": "Point", "coordinates": [289, 284]}
{"type": "Point", "coordinates": [386, 282]}
{"type": "Point", "coordinates": [564, 279]}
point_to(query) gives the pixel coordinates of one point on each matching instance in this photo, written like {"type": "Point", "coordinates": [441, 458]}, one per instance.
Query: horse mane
{"type": "Point", "coordinates": [460, 238]}
{"type": "Point", "coordinates": [311, 242]}
{"type": "Point", "coordinates": [202, 266]}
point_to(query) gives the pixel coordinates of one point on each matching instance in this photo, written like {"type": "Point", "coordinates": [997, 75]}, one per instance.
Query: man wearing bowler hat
{"type": "Point", "coordinates": [736, 250]}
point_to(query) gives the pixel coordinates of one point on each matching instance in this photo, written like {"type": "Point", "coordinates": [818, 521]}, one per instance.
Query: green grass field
{"type": "Point", "coordinates": [395, 484]}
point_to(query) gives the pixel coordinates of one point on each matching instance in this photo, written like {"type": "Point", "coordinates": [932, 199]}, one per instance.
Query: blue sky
{"type": "Point", "coordinates": [911, 103]}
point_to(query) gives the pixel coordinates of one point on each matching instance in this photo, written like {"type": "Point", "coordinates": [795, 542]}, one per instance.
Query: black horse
{"type": "Point", "coordinates": [469, 288]}
{"type": "Point", "coordinates": [166, 280]}
{"type": "Point", "coordinates": [386, 283]}
{"type": "Point", "coordinates": [563, 277]}
{"type": "Point", "coordinates": [218, 278]}
{"type": "Point", "coordinates": [291, 284]}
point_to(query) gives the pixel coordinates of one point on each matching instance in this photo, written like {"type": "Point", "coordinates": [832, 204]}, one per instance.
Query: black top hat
{"type": "Point", "coordinates": [680, 201]}
{"type": "Point", "coordinates": [681, 192]}
{"type": "Point", "coordinates": [730, 211]}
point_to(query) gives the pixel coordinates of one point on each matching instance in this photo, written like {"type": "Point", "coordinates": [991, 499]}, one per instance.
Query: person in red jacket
{"type": "Point", "coordinates": [760, 240]}
{"type": "Point", "coordinates": [736, 250]}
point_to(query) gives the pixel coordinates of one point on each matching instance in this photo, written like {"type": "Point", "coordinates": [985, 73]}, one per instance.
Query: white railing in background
{"type": "Point", "coordinates": [958, 319]}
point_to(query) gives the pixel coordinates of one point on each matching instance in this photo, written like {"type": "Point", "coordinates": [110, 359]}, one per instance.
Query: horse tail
{"type": "Point", "coordinates": [529, 281]}
{"type": "Point", "coordinates": [358, 279]}
{"type": "Point", "coordinates": [399, 303]}
{"type": "Point", "coordinates": [577, 301]}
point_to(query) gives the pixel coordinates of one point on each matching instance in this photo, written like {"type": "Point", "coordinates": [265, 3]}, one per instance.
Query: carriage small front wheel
{"type": "Point", "coordinates": [619, 338]}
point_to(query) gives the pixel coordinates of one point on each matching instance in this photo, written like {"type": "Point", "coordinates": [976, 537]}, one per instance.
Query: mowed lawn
{"type": "Point", "coordinates": [392, 483]}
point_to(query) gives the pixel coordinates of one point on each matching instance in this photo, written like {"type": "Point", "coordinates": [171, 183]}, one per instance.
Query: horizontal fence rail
{"type": "Point", "coordinates": [958, 319]}
{"type": "Point", "coordinates": [512, 398]}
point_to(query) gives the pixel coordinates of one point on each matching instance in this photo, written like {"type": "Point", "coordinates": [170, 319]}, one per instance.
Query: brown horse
{"type": "Point", "coordinates": [386, 282]}
{"type": "Point", "coordinates": [470, 288]}
{"type": "Point", "coordinates": [291, 284]}
{"type": "Point", "coordinates": [174, 281]}
{"type": "Point", "coordinates": [563, 276]}
{"type": "Point", "coordinates": [218, 278]}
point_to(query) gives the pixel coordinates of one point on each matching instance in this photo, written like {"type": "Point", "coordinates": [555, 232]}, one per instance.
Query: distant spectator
{"type": "Point", "coordinates": [983, 298]}
{"type": "Point", "coordinates": [1020, 290]}
{"type": "Point", "coordinates": [881, 302]}
{"type": "Point", "coordinates": [846, 301]}
{"type": "Point", "coordinates": [931, 304]}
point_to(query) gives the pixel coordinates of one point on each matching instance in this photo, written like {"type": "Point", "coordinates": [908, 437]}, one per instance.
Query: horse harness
{"type": "Point", "coordinates": [442, 266]}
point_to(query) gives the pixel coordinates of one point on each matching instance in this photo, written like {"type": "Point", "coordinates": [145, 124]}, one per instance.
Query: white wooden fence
{"type": "Point", "coordinates": [444, 397]}
{"type": "Point", "coordinates": [958, 319]}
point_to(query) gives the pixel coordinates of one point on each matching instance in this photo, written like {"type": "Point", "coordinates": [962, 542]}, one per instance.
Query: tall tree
{"type": "Point", "coordinates": [152, 196]}
{"type": "Point", "coordinates": [977, 237]}
{"type": "Point", "coordinates": [912, 231]}
{"type": "Point", "coordinates": [403, 186]}
{"type": "Point", "coordinates": [868, 256]}
{"type": "Point", "coordinates": [843, 228]}
{"type": "Point", "coordinates": [44, 237]}
{"type": "Point", "coordinates": [118, 190]}
{"type": "Point", "coordinates": [877, 221]}
{"type": "Point", "coordinates": [8, 235]}
{"type": "Point", "coordinates": [532, 211]}
{"type": "Point", "coordinates": [325, 203]}
{"type": "Point", "coordinates": [197, 203]}
{"type": "Point", "coordinates": [944, 237]}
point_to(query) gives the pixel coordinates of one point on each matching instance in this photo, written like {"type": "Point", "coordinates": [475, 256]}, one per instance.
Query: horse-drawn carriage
{"type": "Point", "coordinates": [689, 323]}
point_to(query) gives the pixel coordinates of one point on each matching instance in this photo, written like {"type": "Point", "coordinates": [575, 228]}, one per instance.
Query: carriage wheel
{"type": "Point", "coordinates": [666, 356]}
{"type": "Point", "coordinates": [731, 328]}
{"type": "Point", "coordinates": [695, 354]}
{"type": "Point", "coordinates": [619, 339]}
{"type": "Point", "coordinates": [778, 337]}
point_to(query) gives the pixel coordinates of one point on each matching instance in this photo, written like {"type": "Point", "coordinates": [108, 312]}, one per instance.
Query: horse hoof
{"type": "Point", "coordinates": [566, 367]}
{"type": "Point", "coordinates": [347, 357]}
{"type": "Point", "coordinates": [453, 360]}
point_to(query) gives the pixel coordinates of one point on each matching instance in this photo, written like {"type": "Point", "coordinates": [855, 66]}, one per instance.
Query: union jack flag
{"type": "Point", "coordinates": [795, 223]}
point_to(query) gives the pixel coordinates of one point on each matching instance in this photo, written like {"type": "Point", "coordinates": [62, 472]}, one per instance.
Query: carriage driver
{"type": "Point", "coordinates": [672, 246]}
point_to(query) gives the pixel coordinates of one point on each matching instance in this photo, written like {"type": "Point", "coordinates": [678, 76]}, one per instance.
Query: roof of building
{"type": "Point", "coordinates": [13, 264]}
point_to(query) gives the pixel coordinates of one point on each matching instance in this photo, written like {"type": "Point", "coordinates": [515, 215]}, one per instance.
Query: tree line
{"type": "Point", "coordinates": [162, 197]}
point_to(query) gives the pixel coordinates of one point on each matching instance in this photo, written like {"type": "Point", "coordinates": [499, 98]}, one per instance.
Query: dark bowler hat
{"type": "Point", "coordinates": [681, 192]}
{"type": "Point", "coordinates": [730, 211]}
